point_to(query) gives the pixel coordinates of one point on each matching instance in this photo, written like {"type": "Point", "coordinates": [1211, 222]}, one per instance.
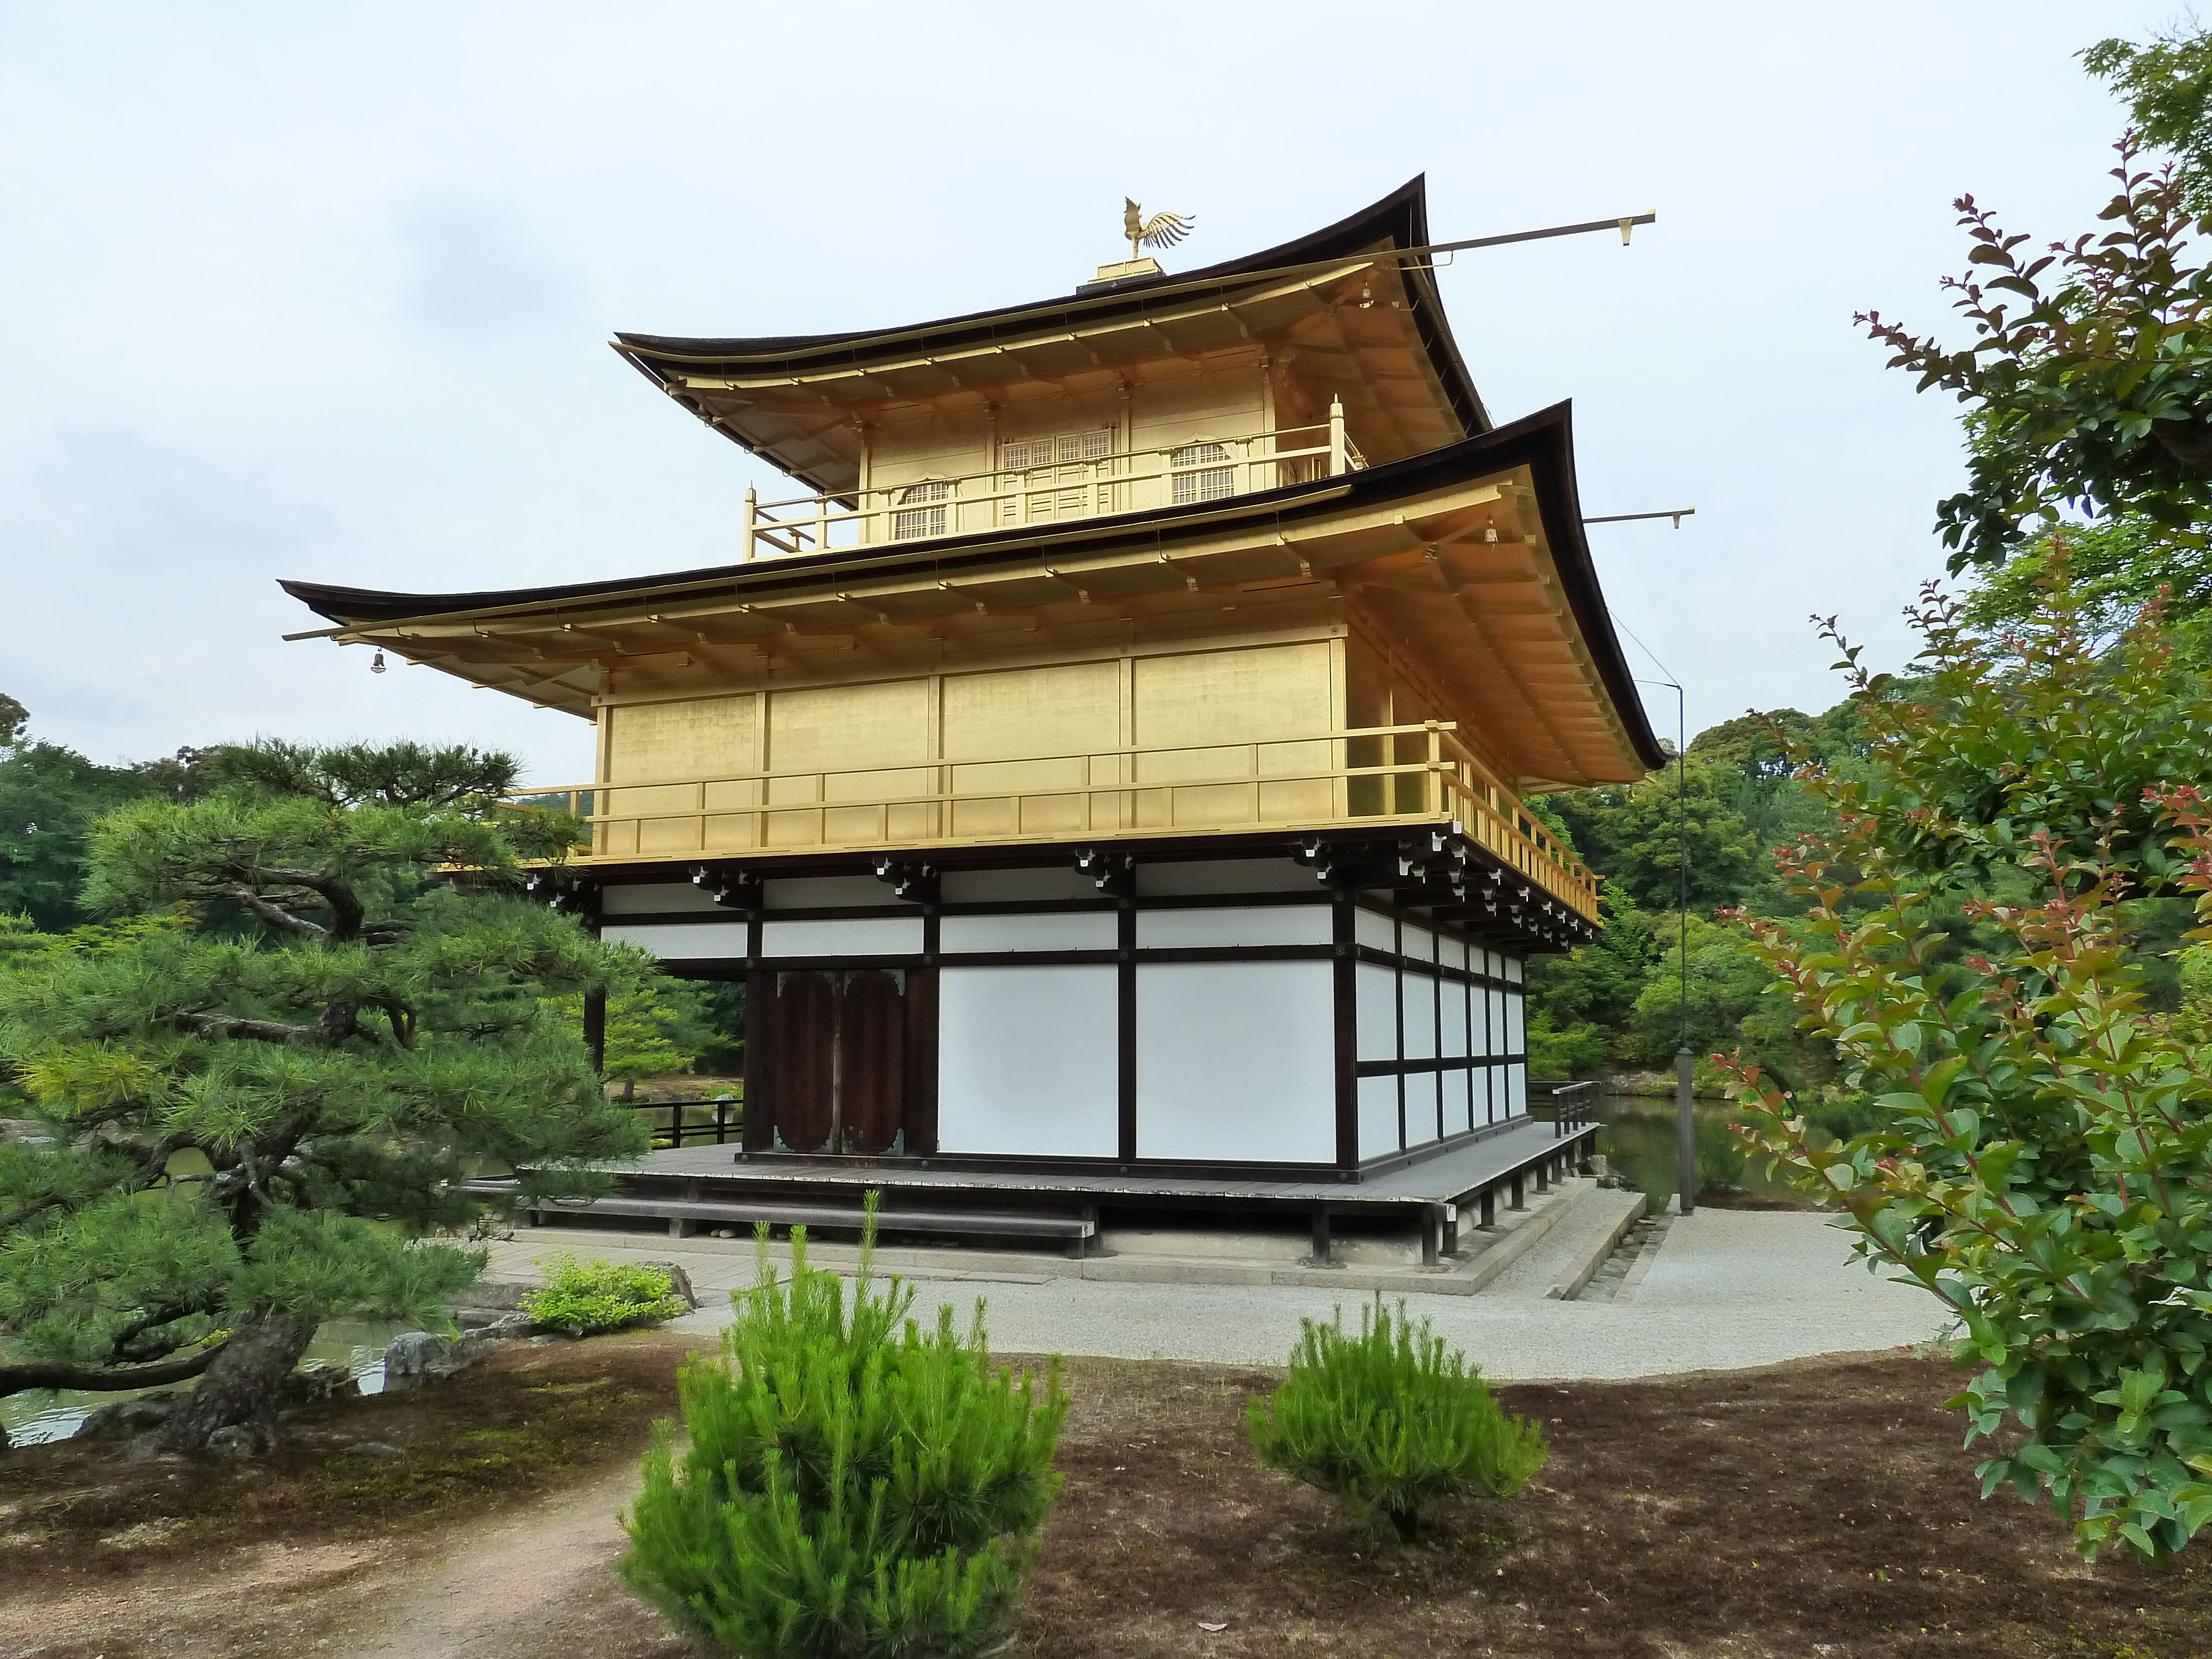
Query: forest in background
{"type": "Point", "coordinates": [1622, 1005]}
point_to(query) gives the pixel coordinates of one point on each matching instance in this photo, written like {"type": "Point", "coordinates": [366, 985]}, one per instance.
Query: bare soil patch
{"type": "Point", "coordinates": [171, 1557]}
{"type": "Point", "coordinates": [1820, 1508]}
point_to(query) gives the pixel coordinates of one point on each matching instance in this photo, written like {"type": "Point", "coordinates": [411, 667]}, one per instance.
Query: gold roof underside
{"type": "Point", "coordinates": [1348, 332]}
{"type": "Point", "coordinates": [1462, 577]}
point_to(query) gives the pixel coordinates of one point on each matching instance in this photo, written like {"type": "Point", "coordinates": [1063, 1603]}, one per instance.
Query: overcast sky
{"type": "Point", "coordinates": [324, 291]}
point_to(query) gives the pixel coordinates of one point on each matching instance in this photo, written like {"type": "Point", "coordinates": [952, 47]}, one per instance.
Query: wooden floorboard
{"type": "Point", "coordinates": [1451, 1177]}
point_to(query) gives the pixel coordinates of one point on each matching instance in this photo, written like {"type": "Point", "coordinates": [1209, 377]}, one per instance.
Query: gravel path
{"type": "Point", "coordinates": [1729, 1289]}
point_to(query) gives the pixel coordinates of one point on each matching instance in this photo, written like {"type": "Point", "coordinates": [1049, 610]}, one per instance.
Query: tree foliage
{"type": "Point", "coordinates": [2005, 736]}
{"type": "Point", "coordinates": [2168, 84]}
{"type": "Point", "coordinates": [853, 1486]}
{"type": "Point", "coordinates": [1633, 834]}
{"type": "Point", "coordinates": [258, 1118]}
{"type": "Point", "coordinates": [2089, 384]}
{"type": "Point", "coordinates": [2040, 1157]}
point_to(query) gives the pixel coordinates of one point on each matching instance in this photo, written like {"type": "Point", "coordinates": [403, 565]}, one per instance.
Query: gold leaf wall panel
{"type": "Point", "coordinates": [1028, 730]}
{"type": "Point", "coordinates": [1244, 697]}
{"type": "Point", "coordinates": [707, 737]}
{"type": "Point", "coordinates": [832, 730]}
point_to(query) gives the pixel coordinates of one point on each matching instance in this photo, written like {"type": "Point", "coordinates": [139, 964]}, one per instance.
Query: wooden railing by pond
{"type": "Point", "coordinates": [1367, 776]}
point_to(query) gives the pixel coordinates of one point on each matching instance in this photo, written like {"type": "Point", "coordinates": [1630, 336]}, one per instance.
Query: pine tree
{"type": "Point", "coordinates": [1390, 1421]}
{"type": "Point", "coordinates": [852, 1485]}
{"type": "Point", "coordinates": [263, 1114]}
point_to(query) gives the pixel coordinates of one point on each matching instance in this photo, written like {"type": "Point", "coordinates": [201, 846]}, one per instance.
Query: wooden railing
{"type": "Point", "coordinates": [1369, 775]}
{"type": "Point", "coordinates": [1051, 490]}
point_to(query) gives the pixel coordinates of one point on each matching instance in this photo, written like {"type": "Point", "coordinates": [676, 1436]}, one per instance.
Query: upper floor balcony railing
{"type": "Point", "coordinates": [1051, 481]}
{"type": "Point", "coordinates": [1371, 776]}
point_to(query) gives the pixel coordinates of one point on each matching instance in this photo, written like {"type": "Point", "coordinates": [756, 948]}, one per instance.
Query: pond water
{"type": "Point", "coordinates": [1638, 1138]}
{"type": "Point", "coordinates": [39, 1414]}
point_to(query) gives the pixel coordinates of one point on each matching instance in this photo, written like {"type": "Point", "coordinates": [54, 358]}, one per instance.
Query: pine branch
{"type": "Point", "coordinates": [275, 915]}
{"type": "Point", "coordinates": [225, 1025]}
{"type": "Point", "coordinates": [120, 1346]}
{"type": "Point", "coordinates": [14, 1379]}
{"type": "Point", "coordinates": [346, 914]}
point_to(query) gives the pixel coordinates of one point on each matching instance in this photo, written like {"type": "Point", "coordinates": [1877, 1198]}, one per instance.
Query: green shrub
{"type": "Point", "coordinates": [584, 1299]}
{"type": "Point", "coordinates": [853, 1486]}
{"type": "Point", "coordinates": [1390, 1421]}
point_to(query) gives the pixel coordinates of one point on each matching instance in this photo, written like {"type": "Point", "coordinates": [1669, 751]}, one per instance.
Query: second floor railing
{"type": "Point", "coordinates": [1051, 481]}
{"type": "Point", "coordinates": [1371, 774]}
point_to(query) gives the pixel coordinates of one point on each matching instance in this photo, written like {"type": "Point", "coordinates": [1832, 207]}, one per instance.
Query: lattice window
{"type": "Point", "coordinates": [1058, 470]}
{"type": "Point", "coordinates": [925, 521]}
{"type": "Point", "coordinates": [1197, 478]}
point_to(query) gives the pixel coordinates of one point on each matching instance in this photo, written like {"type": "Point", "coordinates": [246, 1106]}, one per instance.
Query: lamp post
{"type": "Point", "coordinates": [1686, 1122]}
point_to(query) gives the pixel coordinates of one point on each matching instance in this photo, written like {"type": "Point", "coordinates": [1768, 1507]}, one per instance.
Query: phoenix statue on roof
{"type": "Point", "coordinates": [1161, 230]}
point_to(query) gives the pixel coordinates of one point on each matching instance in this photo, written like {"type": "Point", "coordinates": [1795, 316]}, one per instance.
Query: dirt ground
{"type": "Point", "coordinates": [1823, 1508]}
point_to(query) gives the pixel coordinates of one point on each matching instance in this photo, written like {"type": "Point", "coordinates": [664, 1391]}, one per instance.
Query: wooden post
{"type": "Point", "coordinates": [752, 517]}
{"type": "Point", "coordinates": [1489, 1202]}
{"type": "Point", "coordinates": [1520, 1200]}
{"type": "Point", "coordinates": [1321, 1239]}
{"type": "Point", "coordinates": [1336, 455]}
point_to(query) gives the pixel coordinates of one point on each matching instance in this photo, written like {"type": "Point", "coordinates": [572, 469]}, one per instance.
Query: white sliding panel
{"type": "Point", "coordinates": [1379, 931]}
{"type": "Point", "coordinates": [1236, 1060]}
{"type": "Point", "coordinates": [1027, 1062]}
{"type": "Point", "coordinates": [1457, 1116]}
{"type": "Point", "coordinates": [1516, 1024]}
{"type": "Point", "coordinates": [853, 936]}
{"type": "Point", "coordinates": [1376, 1012]}
{"type": "Point", "coordinates": [1274, 923]}
{"type": "Point", "coordinates": [1516, 1090]}
{"type": "Point", "coordinates": [1378, 1117]}
{"type": "Point", "coordinates": [1452, 1040]}
{"type": "Point", "coordinates": [682, 942]}
{"type": "Point", "coordinates": [1075, 930]}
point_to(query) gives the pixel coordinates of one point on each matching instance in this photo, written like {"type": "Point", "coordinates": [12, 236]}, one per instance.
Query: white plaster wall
{"type": "Point", "coordinates": [1027, 1062]}
{"type": "Point", "coordinates": [1370, 928]}
{"type": "Point", "coordinates": [1375, 1012]}
{"type": "Point", "coordinates": [1513, 969]}
{"type": "Point", "coordinates": [683, 941]}
{"type": "Point", "coordinates": [1515, 1102]}
{"type": "Point", "coordinates": [1419, 943]}
{"type": "Point", "coordinates": [1378, 1117]}
{"type": "Point", "coordinates": [852, 936]}
{"type": "Point", "coordinates": [811, 892]}
{"type": "Point", "coordinates": [1274, 923]}
{"type": "Point", "coordinates": [1516, 1023]}
{"type": "Point", "coordinates": [1236, 1061]}
{"type": "Point", "coordinates": [1091, 930]}
{"type": "Point", "coordinates": [658, 896]}
{"type": "Point", "coordinates": [1226, 876]}
{"type": "Point", "coordinates": [995, 886]}
{"type": "Point", "coordinates": [1496, 1040]}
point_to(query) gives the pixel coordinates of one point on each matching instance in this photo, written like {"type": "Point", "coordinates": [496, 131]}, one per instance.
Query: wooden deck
{"type": "Point", "coordinates": [705, 1186]}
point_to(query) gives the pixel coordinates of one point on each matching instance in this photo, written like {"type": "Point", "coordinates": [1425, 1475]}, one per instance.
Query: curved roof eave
{"type": "Point", "coordinates": [1544, 441]}
{"type": "Point", "coordinates": [1399, 220]}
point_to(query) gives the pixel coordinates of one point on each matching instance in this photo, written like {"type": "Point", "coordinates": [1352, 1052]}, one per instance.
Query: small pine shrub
{"type": "Point", "coordinates": [854, 1486]}
{"type": "Point", "coordinates": [585, 1298]}
{"type": "Point", "coordinates": [1390, 1421]}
